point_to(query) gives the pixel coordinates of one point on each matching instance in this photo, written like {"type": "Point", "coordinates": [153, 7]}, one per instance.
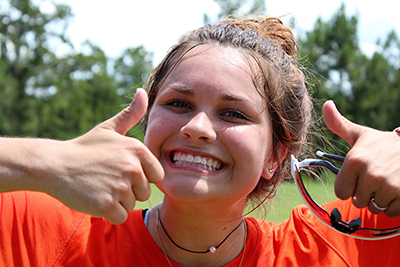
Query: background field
{"type": "Point", "coordinates": [278, 208]}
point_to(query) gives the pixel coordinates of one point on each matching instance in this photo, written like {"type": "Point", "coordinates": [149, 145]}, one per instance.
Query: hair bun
{"type": "Point", "coordinates": [272, 29]}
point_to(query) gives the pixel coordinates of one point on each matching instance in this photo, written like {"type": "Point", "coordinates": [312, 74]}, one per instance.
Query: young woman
{"type": "Point", "coordinates": [227, 108]}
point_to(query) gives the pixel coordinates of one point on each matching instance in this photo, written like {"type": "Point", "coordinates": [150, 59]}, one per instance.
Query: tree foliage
{"type": "Point", "coordinates": [25, 53]}
{"type": "Point", "coordinates": [46, 94]}
{"type": "Point", "coordinates": [365, 88]}
{"type": "Point", "coordinates": [240, 8]}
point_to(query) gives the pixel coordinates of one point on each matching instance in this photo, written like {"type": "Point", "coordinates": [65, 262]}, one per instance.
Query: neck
{"type": "Point", "coordinates": [198, 229]}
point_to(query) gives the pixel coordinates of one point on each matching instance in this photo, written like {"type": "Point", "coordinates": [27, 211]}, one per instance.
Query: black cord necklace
{"type": "Point", "coordinates": [212, 249]}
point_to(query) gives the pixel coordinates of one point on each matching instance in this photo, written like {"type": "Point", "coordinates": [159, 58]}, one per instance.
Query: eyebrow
{"type": "Point", "coordinates": [225, 97]}
{"type": "Point", "coordinates": [182, 89]}
{"type": "Point", "coordinates": [188, 91]}
{"type": "Point", "coordinates": [230, 97]}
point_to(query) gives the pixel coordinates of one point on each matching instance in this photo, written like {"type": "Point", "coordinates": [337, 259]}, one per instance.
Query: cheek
{"type": "Point", "coordinates": [158, 129]}
{"type": "Point", "coordinates": [250, 140]}
{"type": "Point", "coordinates": [250, 150]}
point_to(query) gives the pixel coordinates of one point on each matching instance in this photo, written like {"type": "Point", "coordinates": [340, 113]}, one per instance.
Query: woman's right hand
{"type": "Point", "coordinates": [103, 172]}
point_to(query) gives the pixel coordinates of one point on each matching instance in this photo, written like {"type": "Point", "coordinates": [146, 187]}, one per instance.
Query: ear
{"type": "Point", "coordinates": [269, 171]}
{"type": "Point", "coordinates": [272, 164]}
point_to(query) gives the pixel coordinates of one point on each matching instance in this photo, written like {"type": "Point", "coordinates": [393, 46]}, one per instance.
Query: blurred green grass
{"type": "Point", "coordinates": [278, 208]}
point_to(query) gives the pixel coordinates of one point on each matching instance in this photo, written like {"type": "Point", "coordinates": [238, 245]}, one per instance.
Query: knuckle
{"type": "Point", "coordinates": [391, 187]}
{"type": "Point", "coordinates": [124, 189]}
{"type": "Point", "coordinates": [375, 174]}
{"type": "Point", "coordinates": [133, 170]}
{"type": "Point", "coordinates": [341, 191]}
{"type": "Point", "coordinates": [143, 195]}
{"type": "Point", "coordinates": [373, 210]}
{"type": "Point", "coordinates": [107, 206]}
{"type": "Point", "coordinates": [138, 148]}
{"type": "Point", "coordinates": [142, 192]}
{"type": "Point", "coordinates": [392, 213]}
{"type": "Point", "coordinates": [359, 202]}
{"type": "Point", "coordinates": [354, 158]}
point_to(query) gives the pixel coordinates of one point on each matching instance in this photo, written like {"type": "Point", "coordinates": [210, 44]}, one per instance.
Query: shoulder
{"type": "Point", "coordinates": [304, 239]}
{"type": "Point", "coordinates": [35, 218]}
{"type": "Point", "coordinates": [122, 244]}
{"type": "Point", "coordinates": [30, 207]}
{"type": "Point", "coordinates": [297, 241]}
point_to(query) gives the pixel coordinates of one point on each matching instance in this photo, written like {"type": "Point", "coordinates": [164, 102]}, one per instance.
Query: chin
{"type": "Point", "coordinates": [187, 190]}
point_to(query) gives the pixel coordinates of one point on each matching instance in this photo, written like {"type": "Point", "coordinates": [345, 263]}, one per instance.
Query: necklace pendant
{"type": "Point", "coordinates": [212, 249]}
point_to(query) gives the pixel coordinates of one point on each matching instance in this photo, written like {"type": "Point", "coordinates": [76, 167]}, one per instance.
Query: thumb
{"type": "Point", "coordinates": [130, 116]}
{"type": "Point", "coordinates": [339, 125]}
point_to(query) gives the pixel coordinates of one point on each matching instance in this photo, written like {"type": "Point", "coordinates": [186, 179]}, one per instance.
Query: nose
{"type": "Point", "coordinates": [199, 127]}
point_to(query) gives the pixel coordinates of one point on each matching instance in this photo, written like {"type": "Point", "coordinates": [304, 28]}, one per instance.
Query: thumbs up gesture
{"type": "Point", "coordinates": [105, 172]}
{"type": "Point", "coordinates": [370, 173]}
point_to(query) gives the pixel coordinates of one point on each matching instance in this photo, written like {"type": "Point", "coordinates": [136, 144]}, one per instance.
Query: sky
{"type": "Point", "coordinates": [158, 24]}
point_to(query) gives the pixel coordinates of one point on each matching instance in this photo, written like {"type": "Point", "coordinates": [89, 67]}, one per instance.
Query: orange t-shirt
{"type": "Point", "coordinates": [37, 230]}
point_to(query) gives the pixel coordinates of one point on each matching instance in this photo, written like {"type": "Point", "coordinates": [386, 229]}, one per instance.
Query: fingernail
{"type": "Point", "coordinates": [134, 98]}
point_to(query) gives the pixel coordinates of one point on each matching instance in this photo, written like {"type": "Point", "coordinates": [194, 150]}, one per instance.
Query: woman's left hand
{"type": "Point", "coordinates": [371, 170]}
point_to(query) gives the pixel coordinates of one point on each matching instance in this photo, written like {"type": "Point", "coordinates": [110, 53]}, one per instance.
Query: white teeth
{"type": "Point", "coordinates": [206, 163]}
{"type": "Point", "coordinates": [197, 159]}
{"type": "Point", "coordinates": [189, 158]}
{"type": "Point", "coordinates": [215, 164]}
{"type": "Point", "coordinates": [209, 162]}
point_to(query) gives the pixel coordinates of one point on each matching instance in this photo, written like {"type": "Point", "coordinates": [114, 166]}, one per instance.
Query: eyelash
{"type": "Point", "coordinates": [233, 113]}
{"type": "Point", "coordinates": [177, 104]}
{"type": "Point", "coordinates": [230, 113]}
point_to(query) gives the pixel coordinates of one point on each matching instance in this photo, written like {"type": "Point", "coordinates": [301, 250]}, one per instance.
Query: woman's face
{"type": "Point", "coordinates": [210, 129]}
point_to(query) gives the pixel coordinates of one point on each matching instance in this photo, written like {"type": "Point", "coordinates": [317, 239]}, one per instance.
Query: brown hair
{"type": "Point", "coordinates": [272, 46]}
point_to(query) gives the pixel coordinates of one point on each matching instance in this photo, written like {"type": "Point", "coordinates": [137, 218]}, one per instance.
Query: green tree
{"type": "Point", "coordinates": [371, 102]}
{"type": "Point", "coordinates": [131, 69]}
{"type": "Point", "coordinates": [24, 47]}
{"type": "Point", "coordinates": [86, 93]}
{"type": "Point", "coordinates": [241, 8]}
{"type": "Point", "coordinates": [333, 58]}
{"type": "Point", "coordinates": [364, 88]}
{"type": "Point", "coordinates": [47, 95]}
{"type": "Point", "coordinates": [391, 51]}
{"type": "Point", "coordinates": [332, 48]}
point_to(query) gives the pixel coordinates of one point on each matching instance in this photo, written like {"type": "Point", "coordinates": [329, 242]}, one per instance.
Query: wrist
{"type": "Point", "coordinates": [48, 165]}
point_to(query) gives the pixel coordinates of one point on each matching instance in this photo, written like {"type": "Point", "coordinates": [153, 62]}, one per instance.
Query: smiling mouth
{"type": "Point", "coordinates": [180, 158]}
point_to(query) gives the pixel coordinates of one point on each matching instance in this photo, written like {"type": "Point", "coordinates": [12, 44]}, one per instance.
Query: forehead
{"type": "Point", "coordinates": [216, 68]}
